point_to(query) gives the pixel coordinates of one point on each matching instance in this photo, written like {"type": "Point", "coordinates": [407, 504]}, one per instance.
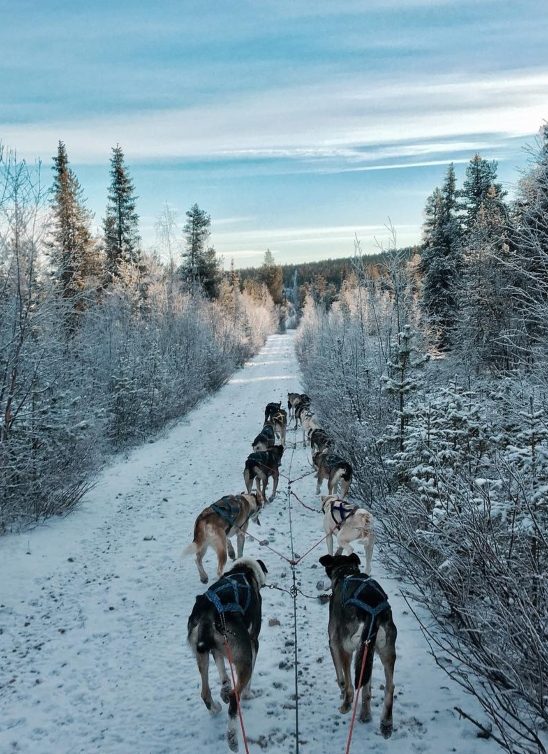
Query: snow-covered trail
{"type": "Point", "coordinates": [93, 609]}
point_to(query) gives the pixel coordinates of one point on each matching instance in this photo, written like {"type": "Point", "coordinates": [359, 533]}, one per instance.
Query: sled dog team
{"type": "Point", "coordinates": [226, 620]}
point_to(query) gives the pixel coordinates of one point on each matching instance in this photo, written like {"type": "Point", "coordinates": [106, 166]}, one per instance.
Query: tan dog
{"type": "Point", "coordinates": [333, 468]}
{"type": "Point", "coordinates": [348, 523]}
{"type": "Point", "coordinates": [308, 423]}
{"type": "Point", "coordinates": [218, 522]}
{"type": "Point", "coordinates": [279, 423]}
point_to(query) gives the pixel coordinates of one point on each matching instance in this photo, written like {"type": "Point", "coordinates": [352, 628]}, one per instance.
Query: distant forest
{"type": "Point", "coordinates": [325, 276]}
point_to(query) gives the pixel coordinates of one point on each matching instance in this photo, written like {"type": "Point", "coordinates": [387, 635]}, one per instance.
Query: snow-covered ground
{"type": "Point", "coordinates": [93, 609]}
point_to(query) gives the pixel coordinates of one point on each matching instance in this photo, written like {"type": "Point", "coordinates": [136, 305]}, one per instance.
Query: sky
{"type": "Point", "coordinates": [298, 126]}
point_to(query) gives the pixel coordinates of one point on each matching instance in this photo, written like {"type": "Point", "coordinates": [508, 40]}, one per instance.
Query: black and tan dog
{"type": "Point", "coordinates": [319, 439]}
{"type": "Point", "coordinates": [226, 622]}
{"type": "Point", "coordinates": [292, 400]}
{"type": "Point", "coordinates": [218, 522]}
{"type": "Point", "coordinates": [261, 466]}
{"type": "Point", "coordinates": [359, 613]}
{"type": "Point", "coordinates": [271, 409]}
{"type": "Point", "coordinates": [266, 438]}
{"type": "Point", "coordinates": [333, 468]}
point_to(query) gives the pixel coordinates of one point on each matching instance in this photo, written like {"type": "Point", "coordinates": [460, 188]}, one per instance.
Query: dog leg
{"type": "Point", "coordinates": [365, 712]}
{"type": "Point", "coordinates": [223, 675]}
{"type": "Point", "coordinates": [203, 667]}
{"type": "Point", "coordinates": [240, 539]}
{"type": "Point", "coordinates": [329, 542]}
{"type": "Point", "coordinates": [319, 483]}
{"type": "Point", "coordinates": [275, 477]}
{"type": "Point", "coordinates": [386, 647]}
{"type": "Point", "coordinates": [348, 689]}
{"type": "Point", "coordinates": [243, 660]}
{"type": "Point", "coordinates": [230, 548]}
{"type": "Point", "coordinates": [368, 549]}
{"type": "Point", "coordinates": [221, 562]}
{"type": "Point", "coordinates": [248, 479]}
{"type": "Point", "coordinates": [201, 570]}
{"type": "Point", "coordinates": [345, 485]}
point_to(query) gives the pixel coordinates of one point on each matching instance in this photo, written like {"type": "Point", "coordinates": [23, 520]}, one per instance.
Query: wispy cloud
{"type": "Point", "coordinates": [323, 121]}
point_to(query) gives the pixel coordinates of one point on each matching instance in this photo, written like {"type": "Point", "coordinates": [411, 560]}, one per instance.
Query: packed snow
{"type": "Point", "coordinates": [93, 608]}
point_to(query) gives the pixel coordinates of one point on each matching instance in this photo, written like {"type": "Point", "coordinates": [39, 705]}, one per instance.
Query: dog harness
{"type": "Point", "coordinates": [344, 510]}
{"type": "Point", "coordinates": [353, 586]}
{"type": "Point", "coordinates": [228, 509]}
{"type": "Point", "coordinates": [232, 594]}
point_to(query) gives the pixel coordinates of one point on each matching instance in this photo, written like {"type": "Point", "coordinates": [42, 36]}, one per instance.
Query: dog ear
{"type": "Point", "coordinates": [265, 569]}
{"type": "Point", "coordinates": [355, 559]}
{"type": "Point", "coordinates": [326, 560]}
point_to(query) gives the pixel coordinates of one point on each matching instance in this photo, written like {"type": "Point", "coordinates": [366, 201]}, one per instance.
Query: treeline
{"type": "Point", "coordinates": [433, 382]}
{"type": "Point", "coordinates": [101, 343]}
{"type": "Point", "coordinates": [323, 279]}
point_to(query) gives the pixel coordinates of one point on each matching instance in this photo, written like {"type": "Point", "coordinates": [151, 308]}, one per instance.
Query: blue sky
{"type": "Point", "coordinates": [295, 124]}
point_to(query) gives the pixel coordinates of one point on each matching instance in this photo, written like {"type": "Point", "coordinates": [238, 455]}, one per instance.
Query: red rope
{"type": "Point", "coordinates": [356, 697]}
{"type": "Point", "coordinates": [229, 658]}
{"type": "Point", "coordinates": [308, 507]}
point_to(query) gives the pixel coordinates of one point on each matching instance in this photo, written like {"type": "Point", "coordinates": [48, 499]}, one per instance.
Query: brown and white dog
{"type": "Point", "coordinates": [279, 424]}
{"type": "Point", "coordinates": [266, 438]}
{"type": "Point", "coordinates": [218, 522]}
{"type": "Point", "coordinates": [360, 617]}
{"type": "Point", "coordinates": [333, 468]}
{"type": "Point", "coordinates": [226, 622]}
{"type": "Point", "coordinates": [308, 423]}
{"type": "Point", "coordinates": [261, 466]}
{"type": "Point", "coordinates": [292, 400]}
{"type": "Point", "coordinates": [348, 523]}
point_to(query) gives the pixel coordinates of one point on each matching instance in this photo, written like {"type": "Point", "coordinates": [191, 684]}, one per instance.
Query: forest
{"type": "Point", "coordinates": [101, 343]}
{"type": "Point", "coordinates": [432, 380]}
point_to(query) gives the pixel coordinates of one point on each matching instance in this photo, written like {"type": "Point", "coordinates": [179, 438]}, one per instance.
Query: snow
{"type": "Point", "coordinates": [93, 609]}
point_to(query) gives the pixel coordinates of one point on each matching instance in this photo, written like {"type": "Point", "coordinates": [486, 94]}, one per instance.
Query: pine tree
{"type": "Point", "coordinates": [71, 246]}
{"type": "Point", "coordinates": [441, 261]}
{"type": "Point", "coordinates": [480, 177]}
{"type": "Point", "coordinates": [121, 223]}
{"type": "Point", "coordinates": [200, 268]}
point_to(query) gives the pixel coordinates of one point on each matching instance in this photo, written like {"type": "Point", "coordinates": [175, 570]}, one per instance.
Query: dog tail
{"type": "Point", "coordinates": [190, 549]}
{"type": "Point", "coordinates": [206, 640]}
{"type": "Point", "coordinates": [369, 660]}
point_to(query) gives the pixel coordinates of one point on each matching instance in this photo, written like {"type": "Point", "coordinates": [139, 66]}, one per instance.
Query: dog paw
{"type": "Point", "coordinates": [232, 740]}
{"type": "Point", "coordinates": [365, 717]}
{"type": "Point", "coordinates": [204, 579]}
{"type": "Point", "coordinates": [345, 707]}
{"type": "Point", "coordinates": [215, 708]}
{"type": "Point", "coordinates": [386, 728]}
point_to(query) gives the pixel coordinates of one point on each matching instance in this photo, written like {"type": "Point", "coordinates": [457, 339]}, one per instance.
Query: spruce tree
{"type": "Point", "coordinates": [121, 223]}
{"type": "Point", "coordinates": [71, 245]}
{"type": "Point", "coordinates": [480, 177]}
{"type": "Point", "coordinates": [200, 268]}
{"type": "Point", "coordinates": [441, 260]}
{"type": "Point", "coordinates": [271, 275]}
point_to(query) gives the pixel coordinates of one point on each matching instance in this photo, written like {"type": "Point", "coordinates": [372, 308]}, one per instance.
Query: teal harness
{"type": "Point", "coordinates": [232, 594]}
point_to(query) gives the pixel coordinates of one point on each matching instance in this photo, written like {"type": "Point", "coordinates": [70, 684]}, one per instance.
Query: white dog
{"type": "Point", "coordinates": [351, 524]}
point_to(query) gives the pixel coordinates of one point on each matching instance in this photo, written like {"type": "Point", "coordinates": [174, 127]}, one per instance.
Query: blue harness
{"type": "Point", "coordinates": [232, 594]}
{"type": "Point", "coordinates": [228, 509]}
{"type": "Point", "coordinates": [353, 586]}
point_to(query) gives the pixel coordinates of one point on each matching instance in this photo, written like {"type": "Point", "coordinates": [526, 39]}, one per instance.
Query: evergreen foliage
{"type": "Point", "coordinates": [121, 223]}
{"type": "Point", "coordinates": [200, 268]}
{"type": "Point", "coordinates": [71, 248]}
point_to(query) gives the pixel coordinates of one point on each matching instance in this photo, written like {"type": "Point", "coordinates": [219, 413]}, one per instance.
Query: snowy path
{"type": "Point", "coordinates": [93, 610]}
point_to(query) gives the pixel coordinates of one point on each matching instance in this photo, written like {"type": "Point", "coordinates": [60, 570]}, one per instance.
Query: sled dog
{"type": "Point", "coordinates": [261, 466]}
{"type": "Point", "coordinates": [266, 439]}
{"type": "Point", "coordinates": [348, 523]}
{"type": "Point", "coordinates": [226, 622]}
{"type": "Point", "coordinates": [334, 469]}
{"type": "Point", "coordinates": [270, 410]}
{"type": "Point", "coordinates": [359, 612]}
{"type": "Point", "coordinates": [218, 522]}
{"type": "Point", "coordinates": [292, 399]}
{"type": "Point", "coordinates": [319, 439]}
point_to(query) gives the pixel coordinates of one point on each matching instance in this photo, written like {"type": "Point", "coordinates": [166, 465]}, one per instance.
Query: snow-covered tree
{"type": "Point", "coordinates": [200, 268]}
{"type": "Point", "coordinates": [480, 179]}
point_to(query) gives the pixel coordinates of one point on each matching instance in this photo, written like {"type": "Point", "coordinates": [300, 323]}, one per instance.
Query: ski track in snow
{"type": "Point", "coordinates": [93, 651]}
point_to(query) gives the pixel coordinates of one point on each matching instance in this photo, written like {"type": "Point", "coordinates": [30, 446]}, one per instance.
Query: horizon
{"type": "Point", "coordinates": [296, 126]}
